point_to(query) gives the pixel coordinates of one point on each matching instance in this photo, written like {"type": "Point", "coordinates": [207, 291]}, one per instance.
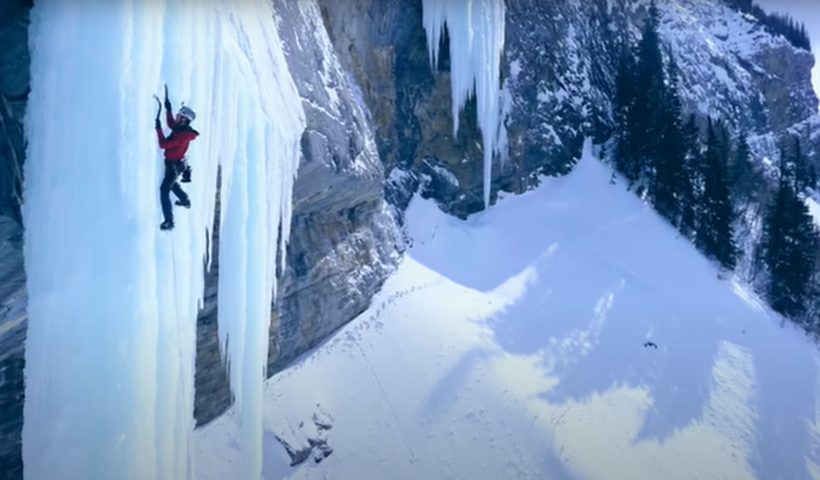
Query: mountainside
{"type": "Point", "coordinates": [380, 127]}
{"type": "Point", "coordinates": [557, 78]}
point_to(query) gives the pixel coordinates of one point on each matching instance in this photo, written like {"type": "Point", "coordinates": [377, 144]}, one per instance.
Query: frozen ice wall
{"type": "Point", "coordinates": [256, 191]}
{"type": "Point", "coordinates": [113, 300]}
{"type": "Point", "coordinates": [476, 32]}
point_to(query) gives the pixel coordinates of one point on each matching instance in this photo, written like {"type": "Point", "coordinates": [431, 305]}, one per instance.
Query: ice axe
{"type": "Point", "coordinates": [167, 102]}
{"type": "Point", "coordinates": [159, 109]}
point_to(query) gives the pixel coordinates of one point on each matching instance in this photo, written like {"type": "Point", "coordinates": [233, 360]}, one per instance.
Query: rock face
{"type": "Point", "coordinates": [14, 87]}
{"type": "Point", "coordinates": [557, 77]}
{"type": "Point", "coordinates": [343, 243]}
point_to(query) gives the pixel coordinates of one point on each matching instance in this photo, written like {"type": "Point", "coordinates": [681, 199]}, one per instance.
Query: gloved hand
{"type": "Point", "coordinates": [186, 175]}
{"type": "Point", "coordinates": [157, 124]}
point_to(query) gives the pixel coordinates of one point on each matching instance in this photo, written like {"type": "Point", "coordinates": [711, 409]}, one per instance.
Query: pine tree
{"type": "Point", "coordinates": [717, 215]}
{"type": "Point", "coordinates": [624, 113]}
{"type": "Point", "coordinates": [672, 182]}
{"type": "Point", "coordinates": [789, 245]}
{"type": "Point", "coordinates": [692, 171]}
{"type": "Point", "coordinates": [804, 174]}
{"type": "Point", "coordinates": [650, 92]}
{"type": "Point", "coordinates": [742, 171]}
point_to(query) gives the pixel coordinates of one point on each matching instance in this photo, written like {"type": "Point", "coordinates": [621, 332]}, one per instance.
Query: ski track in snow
{"type": "Point", "coordinates": [383, 394]}
{"type": "Point", "coordinates": [530, 364]}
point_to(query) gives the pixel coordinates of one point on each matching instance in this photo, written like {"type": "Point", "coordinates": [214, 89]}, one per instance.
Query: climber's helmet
{"type": "Point", "coordinates": [186, 112]}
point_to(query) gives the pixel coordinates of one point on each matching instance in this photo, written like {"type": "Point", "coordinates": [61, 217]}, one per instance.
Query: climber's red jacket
{"type": "Point", "coordinates": [176, 144]}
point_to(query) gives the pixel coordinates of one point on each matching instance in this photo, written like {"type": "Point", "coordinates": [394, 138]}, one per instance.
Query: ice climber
{"type": "Point", "coordinates": [175, 146]}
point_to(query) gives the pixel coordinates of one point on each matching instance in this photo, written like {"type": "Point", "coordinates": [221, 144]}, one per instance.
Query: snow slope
{"type": "Point", "coordinates": [511, 346]}
{"type": "Point", "coordinates": [113, 301]}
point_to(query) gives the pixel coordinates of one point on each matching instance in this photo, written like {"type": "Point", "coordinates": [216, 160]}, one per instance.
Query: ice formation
{"type": "Point", "coordinates": [476, 32]}
{"type": "Point", "coordinates": [113, 301]}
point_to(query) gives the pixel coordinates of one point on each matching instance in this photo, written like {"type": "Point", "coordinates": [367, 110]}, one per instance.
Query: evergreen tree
{"type": "Point", "coordinates": [692, 171]}
{"type": "Point", "coordinates": [789, 245]}
{"type": "Point", "coordinates": [650, 92]}
{"type": "Point", "coordinates": [714, 234]}
{"type": "Point", "coordinates": [672, 182]}
{"type": "Point", "coordinates": [741, 170]}
{"type": "Point", "coordinates": [623, 111]}
{"type": "Point", "coordinates": [804, 174]}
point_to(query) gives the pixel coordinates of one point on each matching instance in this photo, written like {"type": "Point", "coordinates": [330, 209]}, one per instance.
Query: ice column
{"type": "Point", "coordinates": [476, 33]}
{"type": "Point", "coordinates": [259, 164]}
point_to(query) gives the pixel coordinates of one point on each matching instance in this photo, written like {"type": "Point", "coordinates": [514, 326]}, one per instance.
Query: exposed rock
{"type": "Point", "coordinates": [11, 416]}
{"type": "Point", "coordinates": [336, 263]}
{"type": "Point", "coordinates": [557, 78]}
{"type": "Point", "coordinates": [308, 438]}
{"type": "Point", "coordinates": [344, 242]}
{"type": "Point", "coordinates": [383, 44]}
{"type": "Point", "coordinates": [14, 88]}
{"type": "Point", "coordinates": [12, 338]}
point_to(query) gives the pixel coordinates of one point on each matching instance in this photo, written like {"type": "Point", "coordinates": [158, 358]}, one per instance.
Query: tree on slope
{"type": "Point", "coordinates": [744, 174]}
{"type": "Point", "coordinates": [717, 215]}
{"type": "Point", "coordinates": [624, 102]}
{"type": "Point", "coordinates": [650, 92]}
{"type": "Point", "coordinates": [692, 169]}
{"type": "Point", "coordinates": [804, 174]}
{"type": "Point", "coordinates": [789, 245]}
{"type": "Point", "coordinates": [672, 182]}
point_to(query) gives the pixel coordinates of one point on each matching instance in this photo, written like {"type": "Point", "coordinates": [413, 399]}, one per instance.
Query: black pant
{"type": "Point", "coordinates": [169, 183]}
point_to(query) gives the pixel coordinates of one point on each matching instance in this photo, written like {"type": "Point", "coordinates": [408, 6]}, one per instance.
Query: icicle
{"type": "Point", "coordinates": [259, 165]}
{"type": "Point", "coordinates": [476, 33]}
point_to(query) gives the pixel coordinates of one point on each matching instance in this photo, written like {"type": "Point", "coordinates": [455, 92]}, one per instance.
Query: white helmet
{"type": "Point", "coordinates": [186, 112]}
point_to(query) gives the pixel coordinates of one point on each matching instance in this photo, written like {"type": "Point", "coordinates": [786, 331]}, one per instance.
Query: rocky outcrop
{"type": "Point", "coordinates": [12, 336]}
{"type": "Point", "coordinates": [385, 47]}
{"type": "Point", "coordinates": [14, 87]}
{"type": "Point", "coordinates": [343, 242]}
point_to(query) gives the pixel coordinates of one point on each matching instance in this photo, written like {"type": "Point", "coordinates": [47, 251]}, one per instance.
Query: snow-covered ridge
{"type": "Point", "coordinates": [733, 69]}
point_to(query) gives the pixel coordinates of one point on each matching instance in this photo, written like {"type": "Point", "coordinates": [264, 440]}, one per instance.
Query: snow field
{"type": "Point", "coordinates": [532, 364]}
